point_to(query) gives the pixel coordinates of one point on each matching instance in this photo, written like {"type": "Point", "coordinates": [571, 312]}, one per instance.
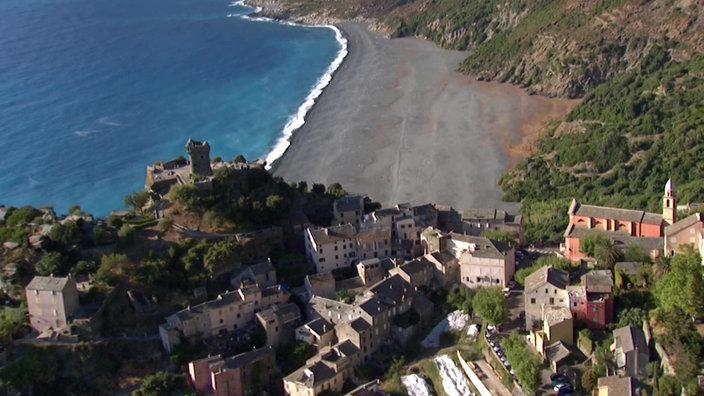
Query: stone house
{"type": "Point", "coordinates": [279, 323]}
{"type": "Point", "coordinates": [615, 386]}
{"type": "Point", "coordinates": [321, 284]}
{"type": "Point", "coordinates": [557, 325]}
{"type": "Point", "coordinates": [546, 287]}
{"type": "Point", "coordinates": [228, 312]}
{"type": "Point", "coordinates": [348, 209]}
{"type": "Point", "coordinates": [373, 243]}
{"type": "Point", "coordinates": [332, 247]}
{"type": "Point", "coordinates": [688, 231]}
{"type": "Point", "coordinates": [51, 302]}
{"type": "Point", "coordinates": [318, 333]}
{"type": "Point", "coordinates": [326, 371]}
{"type": "Point", "coordinates": [447, 268]}
{"type": "Point", "coordinates": [418, 272]}
{"type": "Point", "coordinates": [631, 352]}
{"type": "Point", "coordinates": [244, 374]}
{"type": "Point", "coordinates": [263, 274]}
{"type": "Point", "coordinates": [476, 221]}
{"type": "Point", "coordinates": [373, 270]}
{"type": "Point", "coordinates": [482, 262]}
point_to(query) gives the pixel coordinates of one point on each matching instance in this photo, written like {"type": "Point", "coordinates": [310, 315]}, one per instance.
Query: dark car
{"type": "Point", "coordinates": [566, 390]}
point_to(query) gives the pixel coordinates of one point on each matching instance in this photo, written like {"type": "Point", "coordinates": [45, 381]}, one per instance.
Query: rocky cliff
{"type": "Point", "coordinates": [558, 48]}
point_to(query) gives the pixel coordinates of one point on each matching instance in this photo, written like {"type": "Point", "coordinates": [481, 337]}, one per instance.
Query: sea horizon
{"type": "Point", "coordinates": [101, 156]}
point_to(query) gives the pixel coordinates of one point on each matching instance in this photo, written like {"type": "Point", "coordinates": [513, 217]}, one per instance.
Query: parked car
{"type": "Point", "coordinates": [511, 285]}
{"type": "Point", "coordinates": [563, 385]}
{"type": "Point", "coordinates": [566, 390]}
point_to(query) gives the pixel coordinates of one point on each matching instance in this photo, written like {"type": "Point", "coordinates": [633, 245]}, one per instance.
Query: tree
{"type": "Point", "coordinates": [461, 298]}
{"type": "Point", "coordinates": [318, 189]}
{"type": "Point", "coordinates": [631, 317]}
{"type": "Point", "coordinates": [589, 380]}
{"type": "Point", "coordinates": [490, 304]}
{"type": "Point", "coordinates": [499, 235]}
{"type": "Point", "coordinates": [187, 195]}
{"type": "Point", "coordinates": [51, 263]}
{"type": "Point", "coordinates": [682, 286]}
{"type": "Point", "coordinates": [109, 267]}
{"type": "Point", "coordinates": [221, 256]}
{"type": "Point", "coordinates": [126, 235]}
{"type": "Point", "coordinates": [65, 233]}
{"type": "Point", "coordinates": [240, 159]}
{"type": "Point", "coordinates": [163, 383]}
{"type": "Point", "coordinates": [297, 354]}
{"type": "Point", "coordinates": [589, 243]}
{"type": "Point", "coordinates": [335, 190]}
{"type": "Point", "coordinates": [137, 199]}
{"type": "Point", "coordinates": [607, 254]}
{"type": "Point", "coordinates": [20, 216]}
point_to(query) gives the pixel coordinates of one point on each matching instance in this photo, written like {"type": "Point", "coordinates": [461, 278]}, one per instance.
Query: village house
{"type": "Point", "coordinates": [482, 262]}
{"type": "Point", "coordinates": [318, 332]}
{"type": "Point", "coordinates": [321, 284]}
{"type": "Point", "coordinates": [423, 215]}
{"type": "Point", "coordinates": [546, 287]}
{"type": "Point", "coordinates": [263, 274]}
{"type": "Point", "coordinates": [332, 247]}
{"type": "Point", "coordinates": [51, 302]}
{"type": "Point", "coordinates": [476, 221]}
{"type": "Point", "coordinates": [326, 371]}
{"type": "Point", "coordinates": [229, 312]}
{"type": "Point", "coordinates": [279, 323]}
{"type": "Point", "coordinates": [626, 227]}
{"type": "Point", "coordinates": [447, 268]}
{"type": "Point", "coordinates": [592, 302]}
{"type": "Point", "coordinates": [404, 233]}
{"type": "Point", "coordinates": [557, 326]}
{"type": "Point", "coordinates": [373, 243]}
{"type": "Point", "coordinates": [615, 386]}
{"type": "Point", "coordinates": [244, 374]}
{"type": "Point", "coordinates": [631, 353]}
{"type": "Point", "coordinates": [418, 272]}
{"type": "Point", "coordinates": [348, 210]}
{"type": "Point", "coordinates": [688, 231]}
{"type": "Point", "coordinates": [373, 270]}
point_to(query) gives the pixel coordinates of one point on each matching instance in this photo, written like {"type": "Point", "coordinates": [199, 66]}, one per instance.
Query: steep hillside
{"type": "Point", "coordinates": [553, 47]}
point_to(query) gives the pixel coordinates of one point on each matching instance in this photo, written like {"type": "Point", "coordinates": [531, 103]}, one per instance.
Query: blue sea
{"type": "Point", "coordinates": [92, 91]}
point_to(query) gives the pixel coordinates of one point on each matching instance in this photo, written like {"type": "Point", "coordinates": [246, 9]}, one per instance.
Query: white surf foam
{"type": "Point", "coordinates": [86, 132]}
{"type": "Point", "coordinates": [107, 121]}
{"type": "Point", "coordinates": [297, 120]}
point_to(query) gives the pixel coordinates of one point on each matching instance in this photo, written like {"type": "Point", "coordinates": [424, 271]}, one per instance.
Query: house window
{"type": "Point", "coordinates": [532, 301]}
{"type": "Point", "coordinates": [546, 290]}
{"type": "Point", "coordinates": [552, 301]}
{"type": "Point", "coordinates": [479, 279]}
{"type": "Point", "coordinates": [220, 321]}
{"type": "Point", "coordinates": [321, 260]}
{"type": "Point", "coordinates": [320, 251]}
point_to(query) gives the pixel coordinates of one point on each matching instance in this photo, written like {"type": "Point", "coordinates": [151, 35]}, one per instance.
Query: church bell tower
{"type": "Point", "coordinates": [668, 203]}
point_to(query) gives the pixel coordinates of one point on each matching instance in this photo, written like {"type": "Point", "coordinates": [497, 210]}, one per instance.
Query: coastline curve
{"type": "Point", "coordinates": [298, 119]}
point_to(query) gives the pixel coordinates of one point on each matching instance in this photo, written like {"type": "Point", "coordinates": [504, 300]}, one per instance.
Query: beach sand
{"type": "Point", "coordinates": [399, 124]}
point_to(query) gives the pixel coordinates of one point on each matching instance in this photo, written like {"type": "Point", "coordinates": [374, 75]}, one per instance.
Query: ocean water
{"type": "Point", "coordinates": [92, 91]}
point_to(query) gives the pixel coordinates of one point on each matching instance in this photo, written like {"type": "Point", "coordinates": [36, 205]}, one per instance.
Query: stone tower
{"type": "Point", "coordinates": [199, 155]}
{"type": "Point", "coordinates": [668, 203]}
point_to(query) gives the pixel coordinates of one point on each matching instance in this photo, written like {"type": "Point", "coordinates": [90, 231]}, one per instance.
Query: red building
{"type": "Point", "coordinates": [592, 302]}
{"type": "Point", "coordinates": [627, 227]}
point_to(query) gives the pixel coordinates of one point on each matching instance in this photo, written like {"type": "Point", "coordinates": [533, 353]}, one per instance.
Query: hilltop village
{"type": "Point", "coordinates": [222, 280]}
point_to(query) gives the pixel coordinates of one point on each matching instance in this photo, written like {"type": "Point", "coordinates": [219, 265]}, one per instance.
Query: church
{"type": "Point", "coordinates": [653, 233]}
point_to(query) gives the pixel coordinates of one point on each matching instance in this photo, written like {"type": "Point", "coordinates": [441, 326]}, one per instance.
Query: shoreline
{"type": "Point", "coordinates": [400, 124]}
{"type": "Point", "coordinates": [298, 119]}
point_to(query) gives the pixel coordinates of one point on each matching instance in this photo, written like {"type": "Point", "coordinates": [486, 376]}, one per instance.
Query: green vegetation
{"type": "Point", "coordinates": [163, 383]}
{"type": "Point", "coordinates": [523, 362]}
{"type": "Point", "coordinates": [619, 146]}
{"type": "Point", "coordinates": [461, 298]}
{"type": "Point", "coordinates": [682, 287]}
{"type": "Point", "coordinates": [542, 261]}
{"type": "Point", "coordinates": [490, 304]}
{"type": "Point", "coordinates": [499, 235]}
